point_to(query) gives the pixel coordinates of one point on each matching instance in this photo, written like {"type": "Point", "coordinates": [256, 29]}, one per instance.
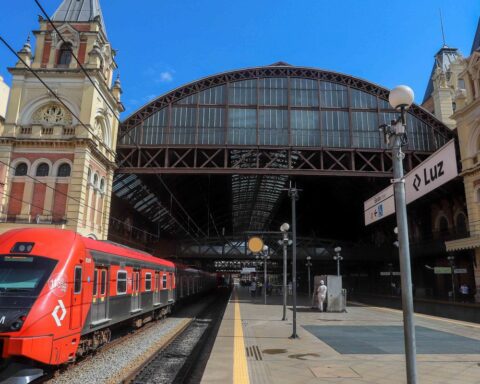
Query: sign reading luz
{"type": "Point", "coordinates": [438, 169]}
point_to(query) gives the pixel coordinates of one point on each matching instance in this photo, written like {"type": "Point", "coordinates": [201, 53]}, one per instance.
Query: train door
{"type": "Point", "coordinates": [99, 302]}
{"type": "Point", "coordinates": [156, 294]}
{"type": "Point", "coordinates": [136, 291]}
{"type": "Point", "coordinates": [76, 303]}
{"type": "Point", "coordinates": [170, 286]}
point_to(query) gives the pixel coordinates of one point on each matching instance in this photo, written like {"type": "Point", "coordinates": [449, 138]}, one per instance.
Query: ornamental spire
{"type": "Point", "coordinates": [74, 11]}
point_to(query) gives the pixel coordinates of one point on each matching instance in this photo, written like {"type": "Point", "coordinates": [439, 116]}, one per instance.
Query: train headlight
{"type": "Point", "coordinates": [17, 324]}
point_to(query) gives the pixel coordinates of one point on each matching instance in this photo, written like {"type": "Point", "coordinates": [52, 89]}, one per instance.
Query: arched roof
{"type": "Point", "coordinates": [260, 125]}
{"type": "Point", "coordinates": [277, 70]}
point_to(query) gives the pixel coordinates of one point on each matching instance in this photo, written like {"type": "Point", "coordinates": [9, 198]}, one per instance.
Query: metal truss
{"type": "Point", "coordinates": [261, 161]}
{"type": "Point", "coordinates": [276, 70]}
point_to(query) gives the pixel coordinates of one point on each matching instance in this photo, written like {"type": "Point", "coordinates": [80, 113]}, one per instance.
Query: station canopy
{"type": "Point", "coordinates": [214, 157]}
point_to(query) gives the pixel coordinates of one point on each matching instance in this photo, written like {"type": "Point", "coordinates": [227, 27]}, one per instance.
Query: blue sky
{"type": "Point", "coordinates": [164, 44]}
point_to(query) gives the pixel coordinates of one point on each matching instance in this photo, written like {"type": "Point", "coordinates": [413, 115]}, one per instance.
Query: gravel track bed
{"type": "Point", "coordinates": [115, 363]}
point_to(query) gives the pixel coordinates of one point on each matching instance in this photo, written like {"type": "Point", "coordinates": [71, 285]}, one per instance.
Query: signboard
{"type": "Point", "coordinates": [379, 206]}
{"type": "Point", "coordinates": [438, 169]}
{"type": "Point", "coordinates": [246, 271]}
{"type": "Point", "coordinates": [383, 273]}
{"type": "Point", "coordinates": [448, 270]}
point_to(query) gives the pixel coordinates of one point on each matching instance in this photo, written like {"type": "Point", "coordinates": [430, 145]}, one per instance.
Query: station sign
{"type": "Point", "coordinates": [437, 170]}
{"type": "Point", "coordinates": [246, 271]}
{"type": "Point", "coordinates": [387, 273]}
{"type": "Point", "coordinates": [448, 271]}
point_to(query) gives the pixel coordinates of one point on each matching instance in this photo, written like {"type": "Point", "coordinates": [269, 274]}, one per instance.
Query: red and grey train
{"type": "Point", "coordinates": [61, 293]}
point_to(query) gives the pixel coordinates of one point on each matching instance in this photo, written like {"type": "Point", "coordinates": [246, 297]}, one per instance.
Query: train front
{"type": "Point", "coordinates": [34, 299]}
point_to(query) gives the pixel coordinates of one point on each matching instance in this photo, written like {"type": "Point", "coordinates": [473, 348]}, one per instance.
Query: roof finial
{"type": "Point", "coordinates": [441, 25]}
{"type": "Point", "coordinates": [27, 47]}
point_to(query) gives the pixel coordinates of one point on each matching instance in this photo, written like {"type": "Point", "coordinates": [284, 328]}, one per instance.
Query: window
{"type": "Point", "coordinates": [102, 185]}
{"type": "Point", "coordinates": [95, 180]}
{"type": "Point", "coordinates": [26, 274]}
{"type": "Point", "coordinates": [77, 282]}
{"type": "Point", "coordinates": [21, 169]}
{"type": "Point", "coordinates": [65, 55]}
{"type": "Point", "coordinates": [121, 282]}
{"type": "Point", "coordinates": [103, 286]}
{"type": "Point", "coordinates": [42, 170]}
{"type": "Point", "coordinates": [148, 282]}
{"type": "Point", "coordinates": [95, 282]}
{"type": "Point", "coordinates": [64, 170]}
{"type": "Point", "coordinates": [164, 281]}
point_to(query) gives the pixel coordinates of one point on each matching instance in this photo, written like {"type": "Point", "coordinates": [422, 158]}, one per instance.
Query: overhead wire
{"type": "Point", "coordinates": [76, 200]}
{"type": "Point", "coordinates": [44, 210]}
{"type": "Point", "coordinates": [54, 94]}
{"type": "Point", "coordinates": [78, 62]}
{"type": "Point", "coordinates": [31, 70]}
{"type": "Point", "coordinates": [73, 114]}
{"type": "Point", "coordinates": [113, 112]}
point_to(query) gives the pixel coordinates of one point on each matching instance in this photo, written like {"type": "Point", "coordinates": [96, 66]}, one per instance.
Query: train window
{"type": "Point", "coordinates": [25, 274]}
{"type": "Point", "coordinates": [77, 282]}
{"type": "Point", "coordinates": [121, 282]}
{"type": "Point", "coordinates": [164, 281]}
{"type": "Point", "coordinates": [103, 282]}
{"type": "Point", "coordinates": [95, 282]}
{"type": "Point", "coordinates": [148, 282]}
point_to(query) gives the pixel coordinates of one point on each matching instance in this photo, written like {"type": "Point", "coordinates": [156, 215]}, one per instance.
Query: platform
{"type": "Point", "coordinates": [364, 345]}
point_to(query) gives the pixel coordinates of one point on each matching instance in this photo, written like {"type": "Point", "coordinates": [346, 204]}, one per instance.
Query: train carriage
{"type": "Point", "coordinates": [60, 293]}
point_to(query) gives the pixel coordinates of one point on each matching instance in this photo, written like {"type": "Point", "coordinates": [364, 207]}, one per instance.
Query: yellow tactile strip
{"type": "Point", "coordinates": [240, 367]}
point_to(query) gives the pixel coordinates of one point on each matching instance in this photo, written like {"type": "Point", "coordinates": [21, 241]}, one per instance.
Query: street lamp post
{"type": "Point", "coordinates": [451, 260]}
{"type": "Point", "coordinates": [265, 258]}
{"type": "Point", "coordinates": [309, 264]}
{"type": "Point", "coordinates": [338, 258]}
{"type": "Point", "coordinates": [284, 229]}
{"type": "Point", "coordinates": [401, 98]}
{"type": "Point", "coordinates": [390, 269]}
{"type": "Point", "coordinates": [293, 193]}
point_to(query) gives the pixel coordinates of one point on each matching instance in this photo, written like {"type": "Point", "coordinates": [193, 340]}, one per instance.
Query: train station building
{"type": "Point", "coordinates": [196, 172]}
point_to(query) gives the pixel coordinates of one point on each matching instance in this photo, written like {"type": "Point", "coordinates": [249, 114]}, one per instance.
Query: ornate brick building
{"type": "Point", "coordinates": [57, 144]}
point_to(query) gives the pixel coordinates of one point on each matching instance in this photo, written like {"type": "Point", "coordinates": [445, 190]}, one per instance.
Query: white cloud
{"type": "Point", "coordinates": [166, 77]}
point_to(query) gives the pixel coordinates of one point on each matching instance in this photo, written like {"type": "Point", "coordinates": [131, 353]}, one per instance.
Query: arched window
{"type": "Point", "coordinates": [65, 55]}
{"type": "Point", "coordinates": [89, 176]}
{"type": "Point", "coordinates": [443, 225]}
{"type": "Point", "coordinates": [64, 170]}
{"type": "Point", "coordinates": [95, 180]}
{"type": "Point", "coordinates": [43, 169]}
{"type": "Point", "coordinates": [102, 185]}
{"type": "Point", "coordinates": [461, 223]}
{"type": "Point", "coordinates": [21, 169]}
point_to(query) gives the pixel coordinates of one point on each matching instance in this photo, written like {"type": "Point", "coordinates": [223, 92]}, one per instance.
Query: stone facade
{"type": "Point", "coordinates": [57, 157]}
{"type": "Point", "coordinates": [467, 117]}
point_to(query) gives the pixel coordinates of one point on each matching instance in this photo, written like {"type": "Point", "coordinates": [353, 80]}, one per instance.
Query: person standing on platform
{"type": "Point", "coordinates": [253, 288]}
{"type": "Point", "coordinates": [321, 295]}
{"type": "Point", "coordinates": [464, 291]}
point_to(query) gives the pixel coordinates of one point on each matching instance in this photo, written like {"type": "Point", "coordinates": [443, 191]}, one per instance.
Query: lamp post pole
{"type": "Point", "coordinates": [293, 193]}
{"type": "Point", "coordinates": [309, 264]}
{"type": "Point", "coordinates": [451, 260]}
{"type": "Point", "coordinates": [401, 98]}
{"type": "Point", "coordinates": [338, 258]}
{"type": "Point", "coordinates": [390, 268]}
{"type": "Point", "coordinates": [284, 228]}
{"type": "Point", "coordinates": [265, 257]}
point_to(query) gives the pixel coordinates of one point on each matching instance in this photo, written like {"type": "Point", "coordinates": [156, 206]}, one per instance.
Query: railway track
{"type": "Point", "coordinates": [131, 350]}
{"type": "Point", "coordinates": [176, 362]}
